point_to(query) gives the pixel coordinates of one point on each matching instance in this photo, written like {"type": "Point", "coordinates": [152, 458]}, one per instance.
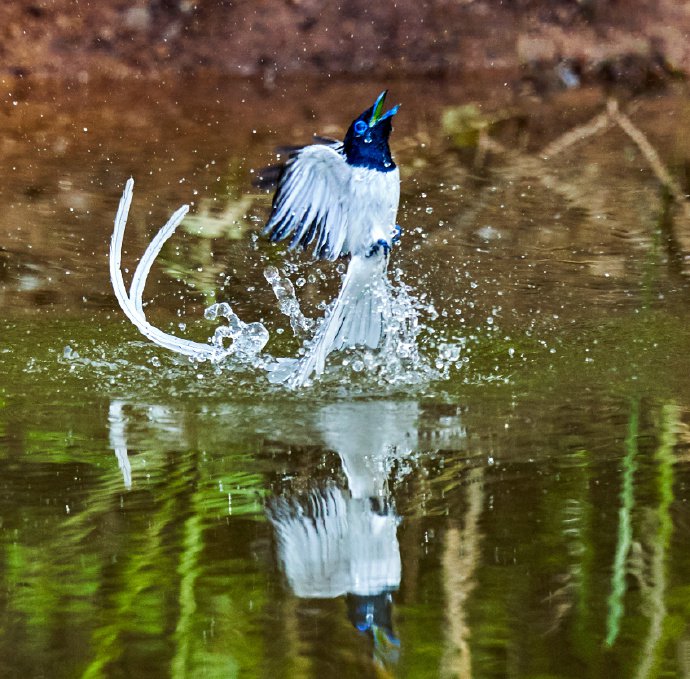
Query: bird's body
{"type": "Point", "coordinates": [341, 199]}
{"type": "Point", "coordinates": [338, 208]}
{"type": "Point", "coordinates": [374, 208]}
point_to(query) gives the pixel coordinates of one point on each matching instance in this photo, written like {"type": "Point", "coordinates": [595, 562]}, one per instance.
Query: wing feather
{"type": "Point", "coordinates": [309, 204]}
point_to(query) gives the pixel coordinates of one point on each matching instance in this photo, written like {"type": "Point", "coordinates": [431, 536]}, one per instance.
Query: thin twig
{"type": "Point", "coordinates": [577, 134]}
{"type": "Point", "coordinates": [649, 153]}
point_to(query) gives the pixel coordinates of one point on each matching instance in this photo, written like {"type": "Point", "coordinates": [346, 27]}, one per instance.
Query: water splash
{"type": "Point", "coordinates": [246, 339]}
{"type": "Point", "coordinates": [396, 361]}
{"type": "Point", "coordinates": [288, 303]}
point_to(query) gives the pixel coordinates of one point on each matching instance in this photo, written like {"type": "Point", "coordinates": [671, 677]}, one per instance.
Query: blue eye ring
{"type": "Point", "coordinates": [361, 127]}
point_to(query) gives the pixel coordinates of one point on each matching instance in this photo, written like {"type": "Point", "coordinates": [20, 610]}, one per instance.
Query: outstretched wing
{"type": "Point", "coordinates": [310, 204]}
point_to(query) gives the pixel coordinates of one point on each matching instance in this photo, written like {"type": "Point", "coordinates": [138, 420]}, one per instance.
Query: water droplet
{"type": "Point", "coordinates": [287, 301]}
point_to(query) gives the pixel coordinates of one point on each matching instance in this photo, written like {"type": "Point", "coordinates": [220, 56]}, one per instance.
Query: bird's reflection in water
{"type": "Point", "coordinates": [339, 537]}
{"type": "Point", "coordinates": [335, 541]}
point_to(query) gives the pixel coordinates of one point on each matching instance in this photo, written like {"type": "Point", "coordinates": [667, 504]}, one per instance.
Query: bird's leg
{"type": "Point", "coordinates": [380, 243]}
{"type": "Point", "coordinates": [397, 232]}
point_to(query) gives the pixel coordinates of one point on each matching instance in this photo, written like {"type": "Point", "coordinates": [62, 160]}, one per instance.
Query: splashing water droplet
{"type": "Point", "coordinates": [69, 354]}
{"type": "Point", "coordinates": [247, 339]}
{"type": "Point", "coordinates": [288, 303]}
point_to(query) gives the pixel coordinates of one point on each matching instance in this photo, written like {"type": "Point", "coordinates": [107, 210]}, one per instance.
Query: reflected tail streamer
{"type": "Point", "coordinates": [118, 441]}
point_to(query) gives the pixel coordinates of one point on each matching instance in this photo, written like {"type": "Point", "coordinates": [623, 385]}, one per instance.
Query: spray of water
{"type": "Point", "coordinates": [397, 360]}
{"type": "Point", "coordinates": [288, 303]}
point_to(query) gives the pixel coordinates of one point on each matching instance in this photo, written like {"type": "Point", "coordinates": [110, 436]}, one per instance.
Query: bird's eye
{"type": "Point", "coordinates": [361, 127]}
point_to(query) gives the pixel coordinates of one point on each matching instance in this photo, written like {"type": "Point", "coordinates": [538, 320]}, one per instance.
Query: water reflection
{"type": "Point", "coordinates": [332, 544]}
{"type": "Point", "coordinates": [337, 535]}
{"type": "Point", "coordinates": [118, 440]}
{"type": "Point", "coordinates": [513, 548]}
{"type": "Point", "coordinates": [335, 541]}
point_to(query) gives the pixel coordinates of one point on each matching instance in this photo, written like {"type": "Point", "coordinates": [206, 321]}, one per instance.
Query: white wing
{"type": "Point", "coordinates": [310, 205]}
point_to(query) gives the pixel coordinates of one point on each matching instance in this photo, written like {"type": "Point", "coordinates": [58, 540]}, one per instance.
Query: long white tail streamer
{"type": "Point", "coordinates": [132, 302]}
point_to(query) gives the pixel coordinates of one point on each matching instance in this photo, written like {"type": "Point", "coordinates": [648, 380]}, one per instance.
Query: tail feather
{"type": "Point", "coordinates": [356, 317]}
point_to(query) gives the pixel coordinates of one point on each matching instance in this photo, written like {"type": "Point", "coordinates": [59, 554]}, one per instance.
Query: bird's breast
{"type": "Point", "coordinates": [374, 198]}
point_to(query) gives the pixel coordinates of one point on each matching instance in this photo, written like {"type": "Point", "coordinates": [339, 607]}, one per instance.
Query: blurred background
{"type": "Point", "coordinates": [633, 41]}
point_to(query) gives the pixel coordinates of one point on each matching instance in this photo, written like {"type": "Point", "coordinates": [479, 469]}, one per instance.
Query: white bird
{"type": "Point", "coordinates": [341, 199]}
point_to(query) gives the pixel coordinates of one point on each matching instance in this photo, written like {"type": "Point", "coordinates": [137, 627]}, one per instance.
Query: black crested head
{"type": "Point", "coordinates": [366, 142]}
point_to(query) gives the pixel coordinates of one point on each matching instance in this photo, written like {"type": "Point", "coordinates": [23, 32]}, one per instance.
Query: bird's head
{"type": "Point", "coordinates": [366, 142]}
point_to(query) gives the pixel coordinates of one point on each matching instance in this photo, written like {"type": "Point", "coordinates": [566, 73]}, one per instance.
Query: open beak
{"type": "Point", "coordinates": [376, 116]}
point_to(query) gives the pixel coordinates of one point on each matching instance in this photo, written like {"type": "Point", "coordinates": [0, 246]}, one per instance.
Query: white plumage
{"type": "Point", "coordinates": [335, 544]}
{"type": "Point", "coordinates": [337, 208]}
{"type": "Point", "coordinates": [332, 541]}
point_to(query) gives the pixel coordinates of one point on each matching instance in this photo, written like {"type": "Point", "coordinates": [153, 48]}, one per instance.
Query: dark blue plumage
{"type": "Point", "coordinates": [366, 141]}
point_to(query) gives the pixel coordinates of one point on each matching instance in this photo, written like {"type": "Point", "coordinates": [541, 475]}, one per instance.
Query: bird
{"type": "Point", "coordinates": [340, 199]}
